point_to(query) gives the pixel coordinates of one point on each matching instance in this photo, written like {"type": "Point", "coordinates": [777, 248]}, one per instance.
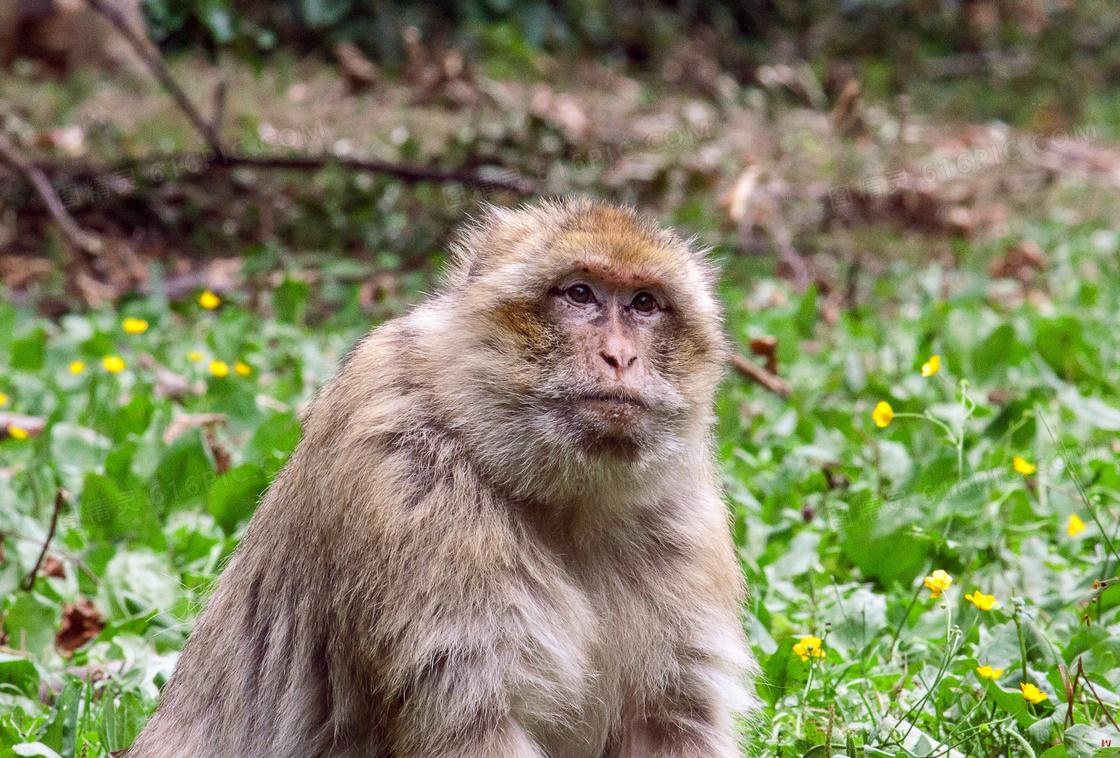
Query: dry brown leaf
{"type": "Point", "coordinates": [81, 622]}
{"type": "Point", "coordinates": [359, 71]}
{"type": "Point", "coordinates": [53, 567]}
{"type": "Point", "coordinates": [766, 347]}
{"type": "Point", "coordinates": [1020, 261]}
{"type": "Point", "coordinates": [222, 458]}
{"type": "Point", "coordinates": [168, 383]}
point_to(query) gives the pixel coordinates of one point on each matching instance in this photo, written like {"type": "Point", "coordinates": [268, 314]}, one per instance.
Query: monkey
{"type": "Point", "coordinates": [501, 534]}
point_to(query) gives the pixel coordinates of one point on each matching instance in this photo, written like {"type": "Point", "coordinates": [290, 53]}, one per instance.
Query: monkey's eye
{"type": "Point", "coordinates": [580, 294]}
{"type": "Point", "coordinates": [644, 303]}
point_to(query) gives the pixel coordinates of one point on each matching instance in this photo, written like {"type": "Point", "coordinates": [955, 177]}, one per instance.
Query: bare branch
{"type": "Point", "coordinates": [218, 112]}
{"type": "Point", "coordinates": [151, 57]}
{"type": "Point", "coordinates": [759, 375]}
{"type": "Point", "coordinates": [75, 236]}
{"type": "Point", "coordinates": [492, 178]}
{"type": "Point", "coordinates": [60, 499]}
{"type": "Point", "coordinates": [499, 179]}
{"type": "Point", "coordinates": [209, 129]}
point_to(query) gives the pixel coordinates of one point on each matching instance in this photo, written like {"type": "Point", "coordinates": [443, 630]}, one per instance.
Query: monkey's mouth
{"type": "Point", "coordinates": [613, 400]}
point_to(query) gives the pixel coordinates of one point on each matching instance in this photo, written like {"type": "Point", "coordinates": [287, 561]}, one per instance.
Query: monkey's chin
{"type": "Point", "coordinates": [613, 428]}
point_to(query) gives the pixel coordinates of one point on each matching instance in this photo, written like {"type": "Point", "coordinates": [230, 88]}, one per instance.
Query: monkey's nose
{"type": "Point", "coordinates": [619, 360]}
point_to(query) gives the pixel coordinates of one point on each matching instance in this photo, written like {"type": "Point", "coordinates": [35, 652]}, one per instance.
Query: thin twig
{"type": "Point", "coordinates": [218, 112]}
{"type": "Point", "coordinates": [758, 374]}
{"type": "Point", "coordinates": [155, 64]}
{"type": "Point", "coordinates": [75, 236]}
{"type": "Point", "coordinates": [1085, 677]}
{"type": "Point", "coordinates": [60, 499]}
{"type": "Point", "coordinates": [407, 172]}
{"type": "Point", "coordinates": [169, 166]}
{"type": "Point", "coordinates": [219, 158]}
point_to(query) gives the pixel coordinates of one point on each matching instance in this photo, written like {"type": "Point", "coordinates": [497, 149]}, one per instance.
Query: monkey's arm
{"type": "Point", "coordinates": [694, 714]}
{"type": "Point", "coordinates": [690, 707]}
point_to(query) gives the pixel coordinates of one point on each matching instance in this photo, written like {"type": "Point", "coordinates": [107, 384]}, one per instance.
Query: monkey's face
{"type": "Point", "coordinates": [603, 338]}
{"type": "Point", "coordinates": [613, 341]}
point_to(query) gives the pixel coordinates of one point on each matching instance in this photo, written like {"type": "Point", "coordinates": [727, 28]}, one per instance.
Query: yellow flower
{"type": "Point", "coordinates": [937, 582]}
{"type": "Point", "coordinates": [134, 325]}
{"type": "Point", "coordinates": [987, 672]}
{"type": "Point", "coordinates": [17, 432]}
{"type": "Point", "coordinates": [4, 399]}
{"type": "Point", "coordinates": [982, 601]}
{"type": "Point", "coordinates": [809, 647]}
{"type": "Point", "coordinates": [77, 367]}
{"type": "Point", "coordinates": [932, 366]}
{"type": "Point", "coordinates": [1075, 525]}
{"type": "Point", "coordinates": [209, 300]}
{"type": "Point", "coordinates": [242, 368]}
{"type": "Point", "coordinates": [1023, 466]}
{"type": "Point", "coordinates": [194, 356]}
{"type": "Point", "coordinates": [219, 368]}
{"type": "Point", "coordinates": [882, 414]}
{"type": "Point", "coordinates": [1031, 693]}
{"type": "Point", "coordinates": [114, 364]}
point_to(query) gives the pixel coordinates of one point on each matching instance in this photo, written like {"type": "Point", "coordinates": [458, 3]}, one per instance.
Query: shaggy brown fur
{"type": "Point", "coordinates": [501, 535]}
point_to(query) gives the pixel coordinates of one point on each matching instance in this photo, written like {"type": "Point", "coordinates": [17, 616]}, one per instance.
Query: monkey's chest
{"type": "Point", "coordinates": [625, 644]}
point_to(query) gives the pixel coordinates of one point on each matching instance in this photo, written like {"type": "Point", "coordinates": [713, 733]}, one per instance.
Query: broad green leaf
{"type": "Point", "coordinates": [18, 674]}
{"type": "Point", "coordinates": [233, 496]}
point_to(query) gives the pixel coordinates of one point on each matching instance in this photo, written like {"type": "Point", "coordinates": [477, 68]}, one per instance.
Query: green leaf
{"type": "Point", "coordinates": [138, 581]}
{"type": "Point", "coordinates": [183, 474]}
{"type": "Point", "coordinates": [122, 718]}
{"type": "Point", "coordinates": [274, 440]}
{"type": "Point", "coordinates": [234, 495]}
{"type": "Point", "coordinates": [290, 300]}
{"type": "Point", "coordinates": [781, 671]}
{"type": "Point", "coordinates": [34, 748]}
{"type": "Point", "coordinates": [112, 514]}
{"type": "Point", "coordinates": [806, 317]}
{"type": "Point", "coordinates": [1093, 411]}
{"type": "Point", "coordinates": [883, 544]}
{"type": "Point", "coordinates": [61, 732]}
{"type": "Point", "coordinates": [30, 621]}
{"type": "Point", "coordinates": [1085, 741]}
{"type": "Point", "coordinates": [29, 353]}
{"type": "Point", "coordinates": [18, 674]}
{"type": "Point", "coordinates": [1012, 703]}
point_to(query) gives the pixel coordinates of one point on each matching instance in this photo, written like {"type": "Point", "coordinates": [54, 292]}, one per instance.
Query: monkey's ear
{"type": "Point", "coordinates": [491, 233]}
{"type": "Point", "coordinates": [706, 256]}
{"type": "Point", "coordinates": [474, 241]}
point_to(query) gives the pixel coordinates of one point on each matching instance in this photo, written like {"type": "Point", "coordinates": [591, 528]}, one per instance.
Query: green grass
{"type": "Point", "coordinates": [838, 521]}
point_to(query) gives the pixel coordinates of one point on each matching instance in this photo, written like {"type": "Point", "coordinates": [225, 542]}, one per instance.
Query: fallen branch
{"type": "Point", "coordinates": [167, 167]}
{"type": "Point", "coordinates": [406, 172]}
{"type": "Point", "coordinates": [74, 235]}
{"type": "Point", "coordinates": [209, 129]}
{"type": "Point", "coordinates": [60, 499]}
{"type": "Point", "coordinates": [155, 64]}
{"type": "Point", "coordinates": [759, 375]}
